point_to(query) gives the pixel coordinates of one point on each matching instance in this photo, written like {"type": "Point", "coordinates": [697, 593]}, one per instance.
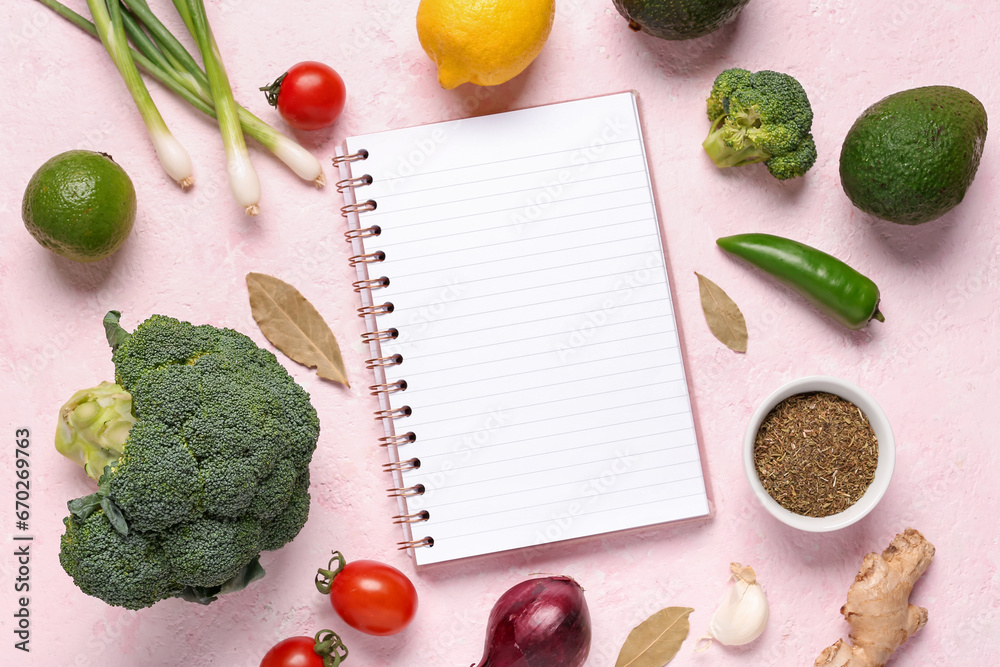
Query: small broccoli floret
{"type": "Point", "coordinates": [760, 117]}
{"type": "Point", "coordinates": [286, 525]}
{"type": "Point", "coordinates": [275, 491]}
{"type": "Point", "coordinates": [209, 552]}
{"type": "Point", "coordinates": [127, 571]}
{"type": "Point", "coordinates": [213, 469]}
{"type": "Point", "coordinates": [156, 484]}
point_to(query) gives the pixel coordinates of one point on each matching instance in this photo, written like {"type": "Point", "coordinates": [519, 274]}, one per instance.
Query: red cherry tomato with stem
{"type": "Point", "coordinates": [369, 596]}
{"type": "Point", "coordinates": [309, 96]}
{"type": "Point", "coordinates": [323, 650]}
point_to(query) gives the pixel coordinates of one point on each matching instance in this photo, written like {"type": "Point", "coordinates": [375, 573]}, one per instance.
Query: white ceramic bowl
{"type": "Point", "coordinates": [883, 470]}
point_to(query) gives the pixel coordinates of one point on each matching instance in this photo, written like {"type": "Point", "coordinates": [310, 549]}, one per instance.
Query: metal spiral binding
{"type": "Point", "coordinates": [402, 466]}
{"type": "Point", "coordinates": [407, 491]}
{"type": "Point", "coordinates": [396, 440]}
{"type": "Point", "coordinates": [404, 411]}
{"type": "Point", "coordinates": [351, 157]}
{"type": "Point", "coordinates": [391, 360]}
{"type": "Point", "coordinates": [359, 207]}
{"type": "Point", "coordinates": [357, 182]}
{"type": "Point", "coordinates": [367, 232]}
{"type": "Point", "coordinates": [381, 309]}
{"type": "Point", "coordinates": [374, 337]}
{"type": "Point", "coordinates": [387, 387]}
{"type": "Point", "coordinates": [416, 517]}
{"type": "Point", "coordinates": [371, 283]}
{"type": "Point", "coordinates": [387, 334]}
{"type": "Point", "coordinates": [368, 258]}
{"type": "Point", "coordinates": [416, 544]}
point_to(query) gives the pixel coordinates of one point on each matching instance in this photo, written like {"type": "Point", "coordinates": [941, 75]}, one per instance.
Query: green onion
{"type": "Point", "coordinates": [162, 56]}
{"type": "Point", "coordinates": [243, 180]}
{"type": "Point", "coordinates": [289, 151]}
{"type": "Point", "coordinates": [110, 29]}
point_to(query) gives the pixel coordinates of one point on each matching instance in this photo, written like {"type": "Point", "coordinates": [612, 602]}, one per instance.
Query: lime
{"type": "Point", "coordinates": [80, 204]}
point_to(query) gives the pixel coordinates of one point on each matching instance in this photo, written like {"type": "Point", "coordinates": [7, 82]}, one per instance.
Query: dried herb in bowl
{"type": "Point", "coordinates": [816, 454]}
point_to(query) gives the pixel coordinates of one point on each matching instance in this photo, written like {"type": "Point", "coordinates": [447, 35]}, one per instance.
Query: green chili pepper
{"type": "Point", "coordinates": [830, 284]}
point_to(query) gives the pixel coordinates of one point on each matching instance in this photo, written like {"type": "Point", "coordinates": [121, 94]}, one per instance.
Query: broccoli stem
{"type": "Point", "coordinates": [723, 154]}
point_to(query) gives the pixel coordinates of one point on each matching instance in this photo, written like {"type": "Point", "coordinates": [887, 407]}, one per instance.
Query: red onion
{"type": "Point", "coordinates": [539, 623]}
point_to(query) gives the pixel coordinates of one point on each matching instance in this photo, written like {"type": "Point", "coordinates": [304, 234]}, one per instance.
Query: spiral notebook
{"type": "Point", "coordinates": [523, 340]}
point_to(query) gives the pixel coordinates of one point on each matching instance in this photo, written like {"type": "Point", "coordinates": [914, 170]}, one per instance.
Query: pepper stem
{"type": "Point", "coordinates": [877, 315]}
{"type": "Point", "coordinates": [324, 577]}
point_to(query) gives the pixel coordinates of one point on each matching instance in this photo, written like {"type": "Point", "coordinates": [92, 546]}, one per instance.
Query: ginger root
{"type": "Point", "coordinates": [878, 608]}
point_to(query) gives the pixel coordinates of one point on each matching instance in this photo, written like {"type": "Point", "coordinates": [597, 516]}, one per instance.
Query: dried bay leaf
{"type": "Point", "coordinates": [655, 641]}
{"type": "Point", "coordinates": [723, 315]}
{"type": "Point", "coordinates": [294, 326]}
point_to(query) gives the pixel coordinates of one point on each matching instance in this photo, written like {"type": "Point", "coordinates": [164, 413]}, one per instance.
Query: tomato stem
{"type": "Point", "coordinates": [271, 90]}
{"type": "Point", "coordinates": [324, 577]}
{"type": "Point", "coordinates": [330, 647]}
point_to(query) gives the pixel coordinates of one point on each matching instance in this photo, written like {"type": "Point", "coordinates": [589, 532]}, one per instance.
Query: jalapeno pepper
{"type": "Point", "coordinates": [831, 285]}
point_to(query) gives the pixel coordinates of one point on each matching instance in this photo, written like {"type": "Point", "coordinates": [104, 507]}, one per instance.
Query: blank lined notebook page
{"type": "Point", "coordinates": [528, 286]}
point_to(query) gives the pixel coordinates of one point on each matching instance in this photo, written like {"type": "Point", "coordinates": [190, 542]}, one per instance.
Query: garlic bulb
{"type": "Point", "coordinates": [742, 617]}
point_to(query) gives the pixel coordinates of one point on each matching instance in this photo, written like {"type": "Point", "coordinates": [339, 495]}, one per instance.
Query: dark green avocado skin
{"type": "Point", "coordinates": [679, 19]}
{"type": "Point", "coordinates": [911, 157]}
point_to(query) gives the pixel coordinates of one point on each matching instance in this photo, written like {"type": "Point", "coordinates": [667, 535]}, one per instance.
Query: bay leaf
{"type": "Point", "coordinates": [723, 315]}
{"type": "Point", "coordinates": [294, 326]}
{"type": "Point", "coordinates": [655, 641]}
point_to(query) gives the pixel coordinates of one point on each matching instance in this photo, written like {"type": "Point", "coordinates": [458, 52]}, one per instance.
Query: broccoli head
{"type": "Point", "coordinates": [760, 117]}
{"type": "Point", "coordinates": [202, 453]}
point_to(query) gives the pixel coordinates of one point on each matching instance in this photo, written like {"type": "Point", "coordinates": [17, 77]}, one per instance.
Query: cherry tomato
{"type": "Point", "coordinates": [309, 96]}
{"type": "Point", "coordinates": [323, 649]}
{"type": "Point", "coordinates": [292, 652]}
{"type": "Point", "coordinates": [369, 596]}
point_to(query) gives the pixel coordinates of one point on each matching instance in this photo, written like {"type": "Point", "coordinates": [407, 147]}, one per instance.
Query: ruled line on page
{"type": "Point", "coordinates": [609, 509]}
{"type": "Point", "coordinates": [493, 179]}
{"type": "Point", "coordinates": [503, 276]}
{"type": "Point", "coordinates": [582, 514]}
{"type": "Point", "coordinates": [563, 433]}
{"type": "Point", "coordinates": [511, 408]}
{"type": "Point", "coordinates": [673, 365]}
{"type": "Point", "coordinates": [548, 334]}
{"type": "Point", "coordinates": [542, 221]}
{"type": "Point", "coordinates": [534, 188]}
{"type": "Point", "coordinates": [601, 443]}
{"type": "Point", "coordinates": [497, 162]}
{"type": "Point", "coordinates": [554, 317]}
{"type": "Point", "coordinates": [530, 189]}
{"type": "Point", "coordinates": [552, 301]}
{"type": "Point", "coordinates": [376, 212]}
{"type": "Point", "coordinates": [569, 482]}
{"type": "Point", "coordinates": [534, 237]}
{"type": "Point", "coordinates": [561, 383]}
{"type": "Point", "coordinates": [548, 352]}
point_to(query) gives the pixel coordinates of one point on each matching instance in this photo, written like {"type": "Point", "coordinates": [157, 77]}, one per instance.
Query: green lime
{"type": "Point", "coordinates": [79, 204]}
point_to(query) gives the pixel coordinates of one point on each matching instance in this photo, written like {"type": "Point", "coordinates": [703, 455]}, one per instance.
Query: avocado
{"type": "Point", "coordinates": [910, 157]}
{"type": "Point", "coordinates": [678, 19]}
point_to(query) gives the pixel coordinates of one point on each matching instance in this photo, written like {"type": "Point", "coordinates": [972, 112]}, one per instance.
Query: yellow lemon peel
{"type": "Point", "coordinates": [485, 42]}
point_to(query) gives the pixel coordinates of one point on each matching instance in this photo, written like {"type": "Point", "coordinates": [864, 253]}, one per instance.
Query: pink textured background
{"type": "Point", "coordinates": [932, 365]}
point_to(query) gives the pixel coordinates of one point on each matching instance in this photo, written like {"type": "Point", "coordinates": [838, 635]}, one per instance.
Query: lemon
{"type": "Point", "coordinates": [79, 204]}
{"type": "Point", "coordinates": [486, 42]}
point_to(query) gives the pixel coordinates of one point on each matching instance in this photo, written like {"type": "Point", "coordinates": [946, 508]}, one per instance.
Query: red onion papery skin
{"type": "Point", "coordinates": [541, 622]}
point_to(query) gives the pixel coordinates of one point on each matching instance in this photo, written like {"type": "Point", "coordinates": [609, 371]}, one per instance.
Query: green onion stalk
{"type": "Point", "coordinates": [161, 55]}
{"type": "Point", "coordinates": [243, 181]}
{"type": "Point", "coordinates": [110, 29]}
